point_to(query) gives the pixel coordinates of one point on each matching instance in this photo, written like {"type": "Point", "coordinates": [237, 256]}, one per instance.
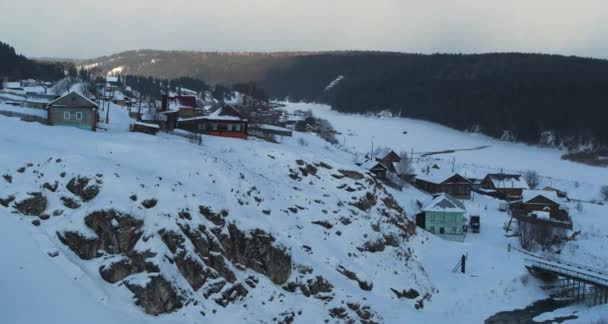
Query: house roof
{"type": "Point", "coordinates": [444, 203]}
{"type": "Point", "coordinates": [437, 175]}
{"type": "Point", "coordinates": [505, 181]}
{"type": "Point", "coordinates": [531, 194]}
{"type": "Point", "coordinates": [72, 94]}
{"type": "Point", "coordinates": [227, 113]}
{"type": "Point", "coordinates": [370, 164]}
{"type": "Point", "coordinates": [391, 157]}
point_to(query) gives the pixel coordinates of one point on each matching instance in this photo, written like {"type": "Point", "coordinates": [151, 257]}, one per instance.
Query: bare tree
{"type": "Point", "coordinates": [604, 192]}
{"type": "Point", "coordinates": [404, 166]}
{"type": "Point", "coordinates": [532, 179]}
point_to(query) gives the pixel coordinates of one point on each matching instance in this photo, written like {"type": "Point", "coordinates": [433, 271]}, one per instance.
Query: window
{"type": "Point", "coordinates": [432, 229]}
{"type": "Point", "coordinates": [66, 115]}
{"type": "Point", "coordinates": [202, 126]}
{"type": "Point", "coordinates": [214, 126]}
{"type": "Point", "coordinates": [237, 127]}
{"type": "Point", "coordinates": [229, 126]}
{"type": "Point", "coordinates": [79, 115]}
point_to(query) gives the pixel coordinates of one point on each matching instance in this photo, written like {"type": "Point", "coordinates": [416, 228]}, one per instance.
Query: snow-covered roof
{"type": "Point", "coordinates": [272, 127]}
{"type": "Point", "coordinates": [147, 125]}
{"type": "Point", "coordinates": [531, 194]}
{"type": "Point", "coordinates": [436, 175]}
{"type": "Point", "coordinates": [369, 164]}
{"type": "Point", "coordinates": [13, 85]}
{"type": "Point", "coordinates": [118, 95]}
{"type": "Point", "coordinates": [220, 115]}
{"type": "Point", "coordinates": [11, 97]}
{"type": "Point", "coordinates": [444, 203]}
{"type": "Point", "coordinates": [504, 181]}
{"type": "Point", "coordinates": [78, 94]}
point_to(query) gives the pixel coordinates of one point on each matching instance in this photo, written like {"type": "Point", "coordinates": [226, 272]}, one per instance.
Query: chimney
{"type": "Point", "coordinates": [165, 103]}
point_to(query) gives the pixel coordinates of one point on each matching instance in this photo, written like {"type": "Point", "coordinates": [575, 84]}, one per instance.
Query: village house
{"type": "Point", "coordinates": [541, 218]}
{"type": "Point", "coordinates": [376, 168]}
{"type": "Point", "coordinates": [184, 105]}
{"type": "Point", "coordinates": [444, 215]}
{"type": "Point", "coordinates": [507, 186]}
{"type": "Point", "coordinates": [226, 122]}
{"type": "Point", "coordinates": [438, 180]}
{"type": "Point", "coordinates": [73, 110]}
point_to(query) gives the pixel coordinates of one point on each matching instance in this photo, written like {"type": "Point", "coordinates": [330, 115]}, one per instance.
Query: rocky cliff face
{"type": "Point", "coordinates": [332, 236]}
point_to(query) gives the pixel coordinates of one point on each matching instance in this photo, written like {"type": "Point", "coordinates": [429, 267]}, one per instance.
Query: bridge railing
{"type": "Point", "coordinates": [573, 271]}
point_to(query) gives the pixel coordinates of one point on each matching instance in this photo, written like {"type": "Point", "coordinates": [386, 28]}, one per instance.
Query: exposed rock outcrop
{"type": "Point", "coordinates": [130, 264]}
{"type": "Point", "coordinates": [116, 233]}
{"type": "Point", "coordinates": [158, 296]}
{"type": "Point", "coordinates": [33, 206]}
{"type": "Point", "coordinates": [256, 250]}
{"type": "Point", "coordinates": [80, 187]}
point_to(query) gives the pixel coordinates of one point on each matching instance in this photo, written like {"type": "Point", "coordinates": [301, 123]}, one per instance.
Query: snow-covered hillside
{"type": "Point", "coordinates": [232, 230]}
{"type": "Point", "coordinates": [475, 152]}
{"type": "Point", "coordinates": [249, 231]}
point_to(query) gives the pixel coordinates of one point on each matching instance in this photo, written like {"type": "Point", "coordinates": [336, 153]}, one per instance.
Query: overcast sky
{"type": "Point", "coordinates": [90, 28]}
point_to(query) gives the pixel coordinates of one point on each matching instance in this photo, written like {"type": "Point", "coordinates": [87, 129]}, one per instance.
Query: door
{"type": "Point", "coordinates": [441, 230]}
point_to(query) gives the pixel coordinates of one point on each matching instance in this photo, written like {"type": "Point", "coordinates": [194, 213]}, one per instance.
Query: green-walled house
{"type": "Point", "coordinates": [445, 216]}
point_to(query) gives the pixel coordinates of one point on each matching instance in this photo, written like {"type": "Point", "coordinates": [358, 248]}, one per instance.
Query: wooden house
{"type": "Point", "coordinates": [73, 110]}
{"type": "Point", "coordinates": [390, 158]}
{"type": "Point", "coordinates": [439, 181]}
{"type": "Point", "coordinates": [508, 186]}
{"type": "Point", "coordinates": [226, 122]}
{"type": "Point", "coordinates": [184, 105]}
{"type": "Point", "coordinates": [541, 218]}
{"type": "Point", "coordinates": [376, 168]}
{"type": "Point", "coordinates": [444, 215]}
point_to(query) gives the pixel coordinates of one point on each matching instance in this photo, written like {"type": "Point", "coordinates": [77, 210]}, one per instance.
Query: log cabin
{"type": "Point", "coordinates": [226, 122]}
{"type": "Point", "coordinates": [508, 186]}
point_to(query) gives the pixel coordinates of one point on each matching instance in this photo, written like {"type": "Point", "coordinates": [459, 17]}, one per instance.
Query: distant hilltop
{"type": "Point", "coordinates": [515, 96]}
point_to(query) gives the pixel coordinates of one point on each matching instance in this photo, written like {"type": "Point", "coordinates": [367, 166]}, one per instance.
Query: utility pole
{"type": "Point", "coordinates": [371, 157]}
{"type": "Point", "coordinates": [108, 111]}
{"type": "Point", "coordinates": [139, 109]}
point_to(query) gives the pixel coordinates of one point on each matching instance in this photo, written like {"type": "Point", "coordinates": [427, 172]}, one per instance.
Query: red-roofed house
{"type": "Point", "coordinates": [184, 105]}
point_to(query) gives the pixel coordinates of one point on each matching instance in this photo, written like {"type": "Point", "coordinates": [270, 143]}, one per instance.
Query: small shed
{"type": "Point", "coordinates": [145, 128]}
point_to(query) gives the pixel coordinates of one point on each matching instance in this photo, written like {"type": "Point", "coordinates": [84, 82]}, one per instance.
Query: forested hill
{"type": "Point", "coordinates": [14, 66]}
{"type": "Point", "coordinates": [524, 94]}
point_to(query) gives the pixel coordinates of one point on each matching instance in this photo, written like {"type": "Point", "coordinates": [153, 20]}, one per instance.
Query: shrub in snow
{"type": "Point", "coordinates": [532, 179]}
{"type": "Point", "coordinates": [604, 193]}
